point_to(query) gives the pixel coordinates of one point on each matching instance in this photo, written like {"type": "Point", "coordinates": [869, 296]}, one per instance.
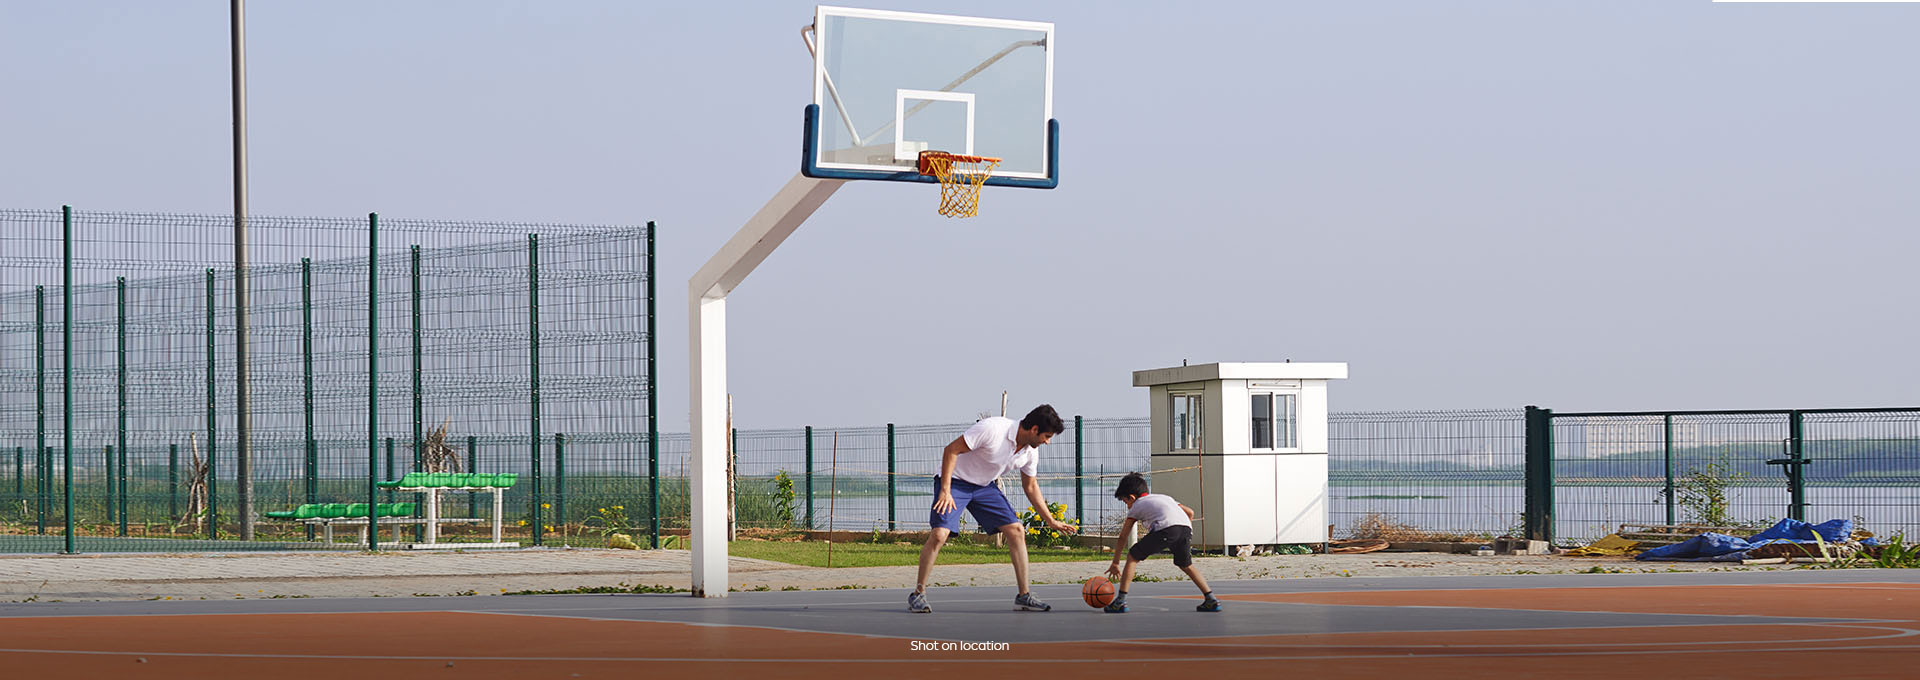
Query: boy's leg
{"type": "Point", "coordinates": [1198, 580]}
{"type": "Point", "coordinates": [1183, 558]}
{"type": "Point", "coordinates": [1119, 604]}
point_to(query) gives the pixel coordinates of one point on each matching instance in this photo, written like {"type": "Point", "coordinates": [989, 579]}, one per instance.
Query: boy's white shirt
{"type": "Point", "coordinates": [991, 451]}
{"type": "Point", "coordinates": [1158, 511]}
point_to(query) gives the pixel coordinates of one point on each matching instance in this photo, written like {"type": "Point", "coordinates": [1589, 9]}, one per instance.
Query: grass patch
{"type": "Point", "coordinates": [814, 553]}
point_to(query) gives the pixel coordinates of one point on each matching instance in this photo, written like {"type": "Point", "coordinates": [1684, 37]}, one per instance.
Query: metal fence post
{"type": "Point", "coordinates": [653, 406]}
{"type": "Point", "coordinates": [20, 471]}
{"type": "Point", "coordinates": [66, 363]}
{"type": "Point", "coordinates": [1539, 474]}
{"type": "Point", "coordinates": [1079, 472]}
{"type": "Point", "coordinates": [213, 503]}
{"type": "Point", "coordinates": [373, 377]}
{"type": "Point", "coordinates": [173, 482]}
{"type": "Point", "coordinates": [533, 375]}
{"type": "Point", "coordinates": [419, 440]}
{"type": "Point", "coordinates": [123, 491]}
{"type": "Point", "coordinates": [560, 479]}
{"type": "Point", "coordinates": [112, 506]}
{"type": "Point", "coordinates": [42, 478]}
{"type": "Point", "coordinates": [306, 379]}
{"type": "Point", "coordinates": [890, 478]}
{"type": "Point", "coordinates": [120, 390]}
{"type": "Point", "coordinates": [390, 474]}
{"type": "Point", "coordinates": [1667, 422]}
{"type": "Point", "coordinates": [809, 476]}
{"type": "Point", "coordinates": [1796, 470]}
{"type": "Point", "coordinates": [473, 465]}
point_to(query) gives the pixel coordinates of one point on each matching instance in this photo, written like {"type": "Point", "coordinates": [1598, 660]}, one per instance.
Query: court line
{"type": "Point", "coordinates": [1901, 632]}
{"type": "Point", "coordinates": [1176, 659]}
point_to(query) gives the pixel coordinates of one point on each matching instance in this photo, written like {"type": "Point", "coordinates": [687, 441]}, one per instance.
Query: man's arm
{"type": "Point", "coordinates": [1185, 509]}
{"type": "Point", "coordinates": [943, 503]}
{"type": "Point", "coordinates": [1039, 502]}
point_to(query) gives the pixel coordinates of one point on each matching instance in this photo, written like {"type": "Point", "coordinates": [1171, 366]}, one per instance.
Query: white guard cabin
{"type": "Point", "coordinates": [1245, 446]}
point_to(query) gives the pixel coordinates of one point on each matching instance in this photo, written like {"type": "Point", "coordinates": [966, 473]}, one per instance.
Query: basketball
{"type": "Point", "coordinates": [1098, 592]}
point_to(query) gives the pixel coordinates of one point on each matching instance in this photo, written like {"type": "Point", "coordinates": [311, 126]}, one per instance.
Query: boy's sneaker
{"type": "Point", "coordinates": [1115, 607]}
{"type": "Point", "coordinates": [917, 603]}
{"type": "Point", "coordinates": [1210, 605]}
{"type": "Point", "coordinates": [1028, 601]}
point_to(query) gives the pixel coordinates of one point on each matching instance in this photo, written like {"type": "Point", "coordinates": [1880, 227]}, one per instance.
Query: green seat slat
{"type": "Point", "coordinates": [439, 479]}
{"type": "Point", "coordinates": [480, 480]}
{"type": "Point", "coordinates": [281, 514]}
{"type": "Point", "coordinates": [334, 510]}
{"type": "Point", "coordinates": [356, 510]}
{"type": "Point", "coordinates": [403, 509]}
{"type": "Point", "coordinates": [310, 510]}
{"type": "Point", "coordinates": [461, 480]}
{"type": "Point", "coordinates": [505, 479]}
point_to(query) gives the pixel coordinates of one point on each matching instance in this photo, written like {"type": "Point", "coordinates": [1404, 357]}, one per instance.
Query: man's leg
{"type": "Point", "coordinates": [928, 554]}
{"type": "Point", "coordinates": [1016, 537]}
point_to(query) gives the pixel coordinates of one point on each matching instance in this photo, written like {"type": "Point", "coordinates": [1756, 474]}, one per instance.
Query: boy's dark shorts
{"type": "Point", "coordinates": [1175, 539]}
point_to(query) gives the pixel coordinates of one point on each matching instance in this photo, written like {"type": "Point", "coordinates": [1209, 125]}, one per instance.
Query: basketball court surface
{"type": "Point", "coordinates": [1843, 623]}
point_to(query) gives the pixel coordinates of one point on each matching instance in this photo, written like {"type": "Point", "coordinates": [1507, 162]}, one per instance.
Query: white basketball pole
{"type": "Point", "coordinates": [707, 304]}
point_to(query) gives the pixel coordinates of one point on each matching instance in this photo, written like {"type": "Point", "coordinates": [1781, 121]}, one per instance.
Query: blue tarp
{"type": "Point", "coordinates": [1712, 547]}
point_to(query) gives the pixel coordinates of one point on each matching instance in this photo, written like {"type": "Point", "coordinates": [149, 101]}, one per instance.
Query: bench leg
{"type": "Point", "coordinates": [433, 516]}
{"type": "Point", "coordinates": [497, 493]}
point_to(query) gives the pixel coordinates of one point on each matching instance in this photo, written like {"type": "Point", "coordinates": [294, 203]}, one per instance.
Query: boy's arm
{"type": "Point", "coordinates": [1039, 502]}
{"type": "Point", "coordinates": [1120, 546]}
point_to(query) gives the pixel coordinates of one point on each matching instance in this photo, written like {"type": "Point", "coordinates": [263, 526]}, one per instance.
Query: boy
{"type": "Point", "coordinates": [970, 470]}
{"type": "Point", "coordinates": [1169, 528]}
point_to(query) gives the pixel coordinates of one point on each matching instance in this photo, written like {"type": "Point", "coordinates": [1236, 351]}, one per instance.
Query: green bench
{"type": "Point", "coordinates": [394, 514]}
{"type": "Point", "coordinates": [457, 481]}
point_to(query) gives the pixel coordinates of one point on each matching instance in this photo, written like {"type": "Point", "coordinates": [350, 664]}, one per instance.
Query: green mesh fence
{"type": "Point", "coordinates": [468, 319]}
{"type": "Point", "coordinates": [1729, 469]}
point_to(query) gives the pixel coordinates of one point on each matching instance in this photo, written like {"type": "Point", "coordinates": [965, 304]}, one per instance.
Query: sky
{"type": "Point", "coordinates": [1604, 205]}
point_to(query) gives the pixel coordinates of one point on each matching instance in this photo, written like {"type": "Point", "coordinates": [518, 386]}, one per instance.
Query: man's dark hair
{"type": "Point", "coordinates": [1131, 485]}
{"type": "Point", "coordinates": [1045, 418]}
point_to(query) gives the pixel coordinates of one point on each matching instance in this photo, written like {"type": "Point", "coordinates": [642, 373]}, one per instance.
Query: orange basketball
{"type": "Point", "coordinates": [1098, 592]}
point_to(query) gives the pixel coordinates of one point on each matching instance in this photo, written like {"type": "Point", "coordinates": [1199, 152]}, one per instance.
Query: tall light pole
{"type": "Point", "coordinates": [243, 457]}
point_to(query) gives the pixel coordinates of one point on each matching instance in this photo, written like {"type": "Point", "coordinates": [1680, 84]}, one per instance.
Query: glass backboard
{"type": "Point", "coordinates": [888, 85]}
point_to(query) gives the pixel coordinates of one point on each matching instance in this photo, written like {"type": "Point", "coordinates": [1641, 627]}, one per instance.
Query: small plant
{"type": "Point", "coordinates": [608, 521]}
{"type": "Point", "coordinates": [1703, 493]}
{"type": "Point", "coordinates": [1039, 534]}
{"type": "Point", "coordinates": [783, 499]}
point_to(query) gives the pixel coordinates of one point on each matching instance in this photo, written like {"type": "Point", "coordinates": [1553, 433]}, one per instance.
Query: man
{"type": "Point", "coordinates": [970, 470]}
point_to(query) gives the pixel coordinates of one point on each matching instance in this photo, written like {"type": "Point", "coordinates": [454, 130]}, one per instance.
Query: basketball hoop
{"type": "Point", "coordinates": [960, 179]}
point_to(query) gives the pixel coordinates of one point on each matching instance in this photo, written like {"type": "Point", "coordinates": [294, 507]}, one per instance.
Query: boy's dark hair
{"type": "Point", "coordinates": [1131, 485]}
{"type": "Point", "coordinates": [1045, 418]}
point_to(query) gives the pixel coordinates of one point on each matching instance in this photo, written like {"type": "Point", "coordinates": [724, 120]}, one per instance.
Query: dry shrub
{"type": "Point", "coordinates": [1377, 525]}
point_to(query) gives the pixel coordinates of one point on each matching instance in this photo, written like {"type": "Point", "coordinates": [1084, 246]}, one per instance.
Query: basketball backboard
{"type": "Point", "coordinates": [888, 85]}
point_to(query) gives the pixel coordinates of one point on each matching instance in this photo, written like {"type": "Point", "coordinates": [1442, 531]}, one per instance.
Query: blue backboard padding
{"type": "Point", "coordinates": [811, 135]}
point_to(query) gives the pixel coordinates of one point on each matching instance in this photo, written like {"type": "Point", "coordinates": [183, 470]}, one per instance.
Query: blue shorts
{"type": "Point", "coordinates": [989, 507]}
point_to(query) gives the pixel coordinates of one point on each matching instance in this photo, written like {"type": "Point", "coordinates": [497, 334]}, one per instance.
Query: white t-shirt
{"type": "Point", "coordinates": [991, 451]}
{"type": "Point", "coordinates": [1158, 511]}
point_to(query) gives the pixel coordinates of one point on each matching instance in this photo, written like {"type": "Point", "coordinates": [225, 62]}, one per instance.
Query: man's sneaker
{"type": "Point", "coordinates": [917, 603]}
{"type": "Point", "coordinates": [1115, 607]}
{"type": "Point", "coordinates": [1210, 605]}
{"type": "Point", "coordinates": [1028, 601]}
